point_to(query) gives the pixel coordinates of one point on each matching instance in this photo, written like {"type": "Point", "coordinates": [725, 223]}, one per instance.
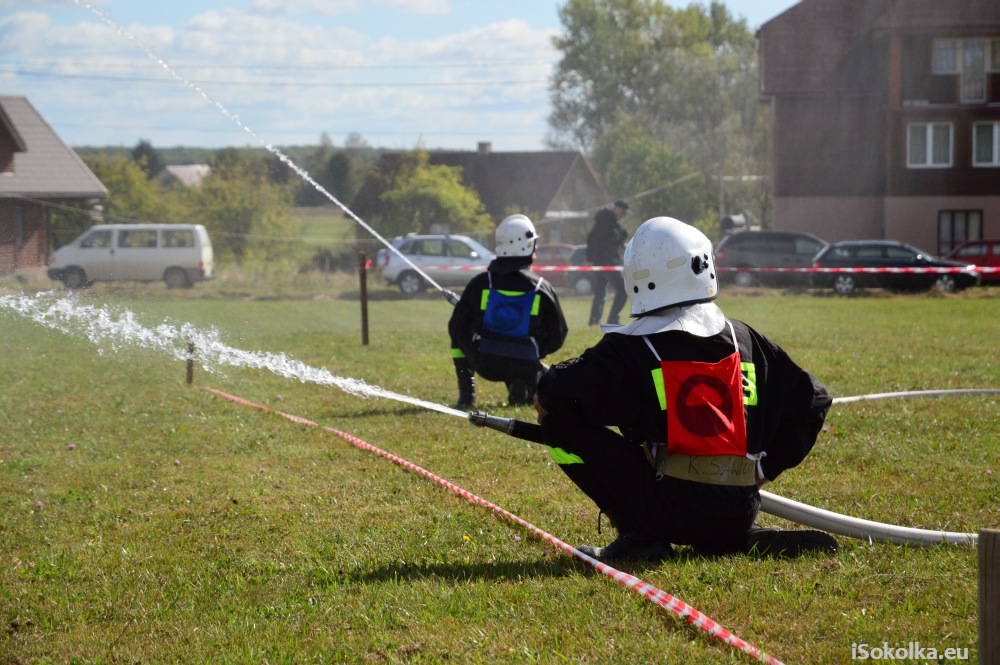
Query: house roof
{"type": "Point", "coordinates": [189, 174]}
{"type": "Point", "coordinates": [46, 167]}
{"type": "Point", "coordinates": [530, 180]}
{"type": "Point", "coordinates": [543, 182]}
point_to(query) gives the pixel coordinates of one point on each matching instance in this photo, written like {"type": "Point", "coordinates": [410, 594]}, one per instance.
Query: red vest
{"type": "Point", "coordinates": [704, 405]}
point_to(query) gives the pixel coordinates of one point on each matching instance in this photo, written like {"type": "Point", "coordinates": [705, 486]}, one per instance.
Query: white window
{"type": "Point", "coordinates": [970, 59]}
{"type": "Point", "coordinates": [986, 144]}
{"type": "Point", "coordinates": [928, 145]}
{"type": "Point", "coordinates": [974, 70]}
{"type": "Point", "coordinates": [945, 56]}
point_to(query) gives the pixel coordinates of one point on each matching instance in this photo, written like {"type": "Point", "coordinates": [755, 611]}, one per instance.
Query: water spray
{"type": "Point", "coordinates": [108, 329]}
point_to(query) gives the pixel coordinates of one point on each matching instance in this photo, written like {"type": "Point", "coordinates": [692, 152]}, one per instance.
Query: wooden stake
{"type": "Point", "coordinates": [363, 274]}
{"type": "Point", "coordinates": [989, 597]}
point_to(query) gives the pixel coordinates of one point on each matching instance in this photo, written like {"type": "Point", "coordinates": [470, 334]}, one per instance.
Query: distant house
{"type": "Point", "coordinates": [36, 170]}
{"type": "Point", "coordinates": [189, 175]}
{"type": "Point", "coordinates": [886, 119]}
{"type": "Point", "coordinates": [558, 189]}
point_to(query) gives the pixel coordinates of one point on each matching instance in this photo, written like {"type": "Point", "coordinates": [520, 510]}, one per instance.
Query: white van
{"type": "Point", "coordinates": [179, 254]}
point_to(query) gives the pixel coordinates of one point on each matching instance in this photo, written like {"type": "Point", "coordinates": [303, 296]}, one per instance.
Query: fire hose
{"type": "Point", "coordinates": [773, 504]}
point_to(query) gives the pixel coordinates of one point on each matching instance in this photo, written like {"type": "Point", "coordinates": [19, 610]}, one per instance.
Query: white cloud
{"type": "Point", "coordinates": [287, 76]}
{"type": "Point", "coordinates": [323, 7]}
{"type": "Point", "coordinates": [27, 4]}
{"type": "Point", "coordinates": [340, 7]}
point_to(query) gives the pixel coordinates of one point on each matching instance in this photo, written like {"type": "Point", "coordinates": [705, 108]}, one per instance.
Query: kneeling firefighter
{"type": "Point", "coordinates": [708, 408]}
{"type": "Point", "coordinates": [507, 320]}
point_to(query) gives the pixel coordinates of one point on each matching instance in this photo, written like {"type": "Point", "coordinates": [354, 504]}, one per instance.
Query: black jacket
{"type": "Point", "coordinates": [606, 240]}
{"type": "Point", "coordinates": [548, 328]}
{"type": "Point", "coordinates": [611, 385]}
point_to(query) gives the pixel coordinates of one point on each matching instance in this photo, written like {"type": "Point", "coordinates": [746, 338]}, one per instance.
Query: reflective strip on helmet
{"type": "Point", "coordinates": [560, 456]}
{"type": "Point", "coordinates": [749, 385]}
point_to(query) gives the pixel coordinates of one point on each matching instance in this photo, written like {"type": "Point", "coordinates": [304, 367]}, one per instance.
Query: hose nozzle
{"type": "Point", "coordinates": [483, 419]}
{"type": "Point", "coordinates": [516, 428]}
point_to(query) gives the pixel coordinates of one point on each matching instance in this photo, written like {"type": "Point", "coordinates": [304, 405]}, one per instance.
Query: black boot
{"type": "Point", "coordinates": [788, 544]}
{"type": "Point", "coordinates": [630, 547]}
{"type": "Point", "coordinates": [519, 393]}
{"type": "Point", "coordinates": [466, 385]}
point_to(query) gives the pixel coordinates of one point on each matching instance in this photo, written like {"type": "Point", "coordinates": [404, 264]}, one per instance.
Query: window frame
{"type": "Point", "coordinates": [995, 149]}
{"type": "Point", "coordinates": [972, 228]}
{"type": "Point", "coordinates": [929, 144]}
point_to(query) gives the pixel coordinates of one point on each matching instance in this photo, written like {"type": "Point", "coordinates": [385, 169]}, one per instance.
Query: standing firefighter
{"type": "Point", "coordinates": [708, 409]}
{"type": "Point", "coordinates": [605, 243]}
{"type": "Point", "coordinates": [507, 320]}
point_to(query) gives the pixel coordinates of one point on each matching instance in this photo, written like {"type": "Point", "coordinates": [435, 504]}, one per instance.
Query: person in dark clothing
{"type": "Point", "coordinates": [605, 244]}
{"type": "Point", "coordinates": [708, 410]}
{"type": "Point", "coordinates": [507, 320]}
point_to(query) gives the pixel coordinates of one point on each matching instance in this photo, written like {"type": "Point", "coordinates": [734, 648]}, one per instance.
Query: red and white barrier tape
{"type": "Point", "coordinates": [674, 605]}
{"type": "Point", "coordinates": [721, 269]}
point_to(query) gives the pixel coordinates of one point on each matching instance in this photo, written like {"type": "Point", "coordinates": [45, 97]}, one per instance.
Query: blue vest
{"type": "Point", "coordinates": [507, 322]}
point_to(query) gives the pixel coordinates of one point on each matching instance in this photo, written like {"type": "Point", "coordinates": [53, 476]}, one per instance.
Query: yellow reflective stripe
{"type": "Point", "coordinates": [560, 456]}
{"type": "Point", "coordinates": [536, 305]}
{"type": "Point", "coordinates": [661, 392]}
{"type": "Point", "coordinates": [749, 383]}
{"type": "Point", "coordinates": [457, 353]}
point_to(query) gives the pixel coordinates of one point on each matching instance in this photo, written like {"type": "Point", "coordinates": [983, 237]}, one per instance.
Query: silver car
{"type": "Point", "coordinates": [447, 259]}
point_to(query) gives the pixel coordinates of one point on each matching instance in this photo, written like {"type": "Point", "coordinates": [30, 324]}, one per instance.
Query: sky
{"type": "Point", "coordinates": [398, 74]}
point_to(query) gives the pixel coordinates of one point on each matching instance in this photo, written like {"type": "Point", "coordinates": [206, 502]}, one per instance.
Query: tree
{"type": "Point", "coordinates": [132, 197]}
{"type": "Point", "coordinates": [408, 194]}
{"type": "Point", "coordinates": [659, 180]}
{"type": "Point", "coordinates": [148, 159]}
{"type": "Point", "coordinates": [688, 77]}
{"type": "Point", "coordinates": [247, 216]}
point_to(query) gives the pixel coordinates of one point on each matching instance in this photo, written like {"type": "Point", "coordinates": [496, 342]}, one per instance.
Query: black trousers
{"type": "Point", "coordinates": [617, 477]}
{"type": "Point", "coordinates": [602, 281]}
{"type": "Point", "coordinates": [507, 370]}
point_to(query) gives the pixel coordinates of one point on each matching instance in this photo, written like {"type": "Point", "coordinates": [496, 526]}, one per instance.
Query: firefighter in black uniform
{"type": "Point", "coordinates": [708, 409]}
{"type": "Point", "coordinates": [507, 320]}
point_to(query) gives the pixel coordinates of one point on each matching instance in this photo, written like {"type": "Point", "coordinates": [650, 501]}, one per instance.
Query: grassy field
{"type": "Point", "coordinates": [146, 520]}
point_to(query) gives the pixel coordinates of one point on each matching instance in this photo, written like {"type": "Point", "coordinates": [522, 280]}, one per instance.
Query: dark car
{"type": "Point", "coordinates": [554, 254]}
{"type": "Point", "coordinates": [766, 249]}
{"type": "Point", "coordinates": [887, 264]}
{"type": "Point", "coordinates": [982, 254]}
{"type": "Point", "coordinates": [581, 281]}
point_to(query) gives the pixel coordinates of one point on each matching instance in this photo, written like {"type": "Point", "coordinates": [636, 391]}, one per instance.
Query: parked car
{"type": "Point", "coordinates": [881, 258]}
{"type": "Point", "coordinates": [556, 254]}
{"type": "Point", "coordinates": [580, 281]}
{"type": "Point", "coordinates": [767, 249]}
{"type": "Point", "coordinates": [435, 255]}
{"type": "Point", "coordinates": [179, 254]}
{"type": "Point", "coordinates": [982, 254]}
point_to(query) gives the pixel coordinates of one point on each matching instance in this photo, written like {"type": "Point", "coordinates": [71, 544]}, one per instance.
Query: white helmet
{"type": "Point", "coordinates": [516, 236]}
{"type": "Point", "coordinates": [667, 264]}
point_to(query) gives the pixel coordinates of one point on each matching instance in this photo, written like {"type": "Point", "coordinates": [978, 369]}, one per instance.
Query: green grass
{"type": "Point", "coordinates": [145, 520]}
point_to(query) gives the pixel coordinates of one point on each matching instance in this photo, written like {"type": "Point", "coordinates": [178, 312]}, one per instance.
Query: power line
{"type": "Point", "coordinates": [493, 64]}
{"type": "Point", "coordinates": [273, 84]}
